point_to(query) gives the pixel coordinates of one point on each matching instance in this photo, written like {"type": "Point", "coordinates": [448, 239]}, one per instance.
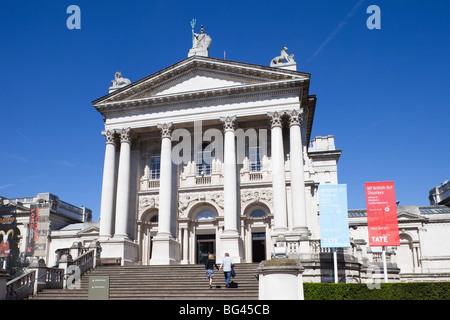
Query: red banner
{"type": "Point", "coordinates": [382, 219]}
{"type": "Point", "coordinates": [32, 230]}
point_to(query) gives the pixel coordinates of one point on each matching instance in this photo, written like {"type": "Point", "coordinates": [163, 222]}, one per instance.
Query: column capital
{"type": "Point", "coordinates": [276, 118]}
{"type": "Point", "coordinates": [295, 117]}
{"type": "Point", "coordinates": [229, 123]}
{"type": "Point", "coordinates": [166, 129]}
{"type": "Point", "coordinates": [125, 135]}
{"type": "Point", "coordinates": [110, 136]}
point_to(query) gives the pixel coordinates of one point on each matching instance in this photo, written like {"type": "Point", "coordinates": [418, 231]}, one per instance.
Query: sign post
{"type": "Point", "coordinates": [382, 219]}
{"type": "Point", "coordinates": [333, 216]}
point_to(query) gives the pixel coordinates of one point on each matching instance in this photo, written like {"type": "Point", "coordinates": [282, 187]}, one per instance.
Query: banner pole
{"type": "Point", "coordinates": [383, 254]}
{"type": "Point", "coordinates": [335, 266]}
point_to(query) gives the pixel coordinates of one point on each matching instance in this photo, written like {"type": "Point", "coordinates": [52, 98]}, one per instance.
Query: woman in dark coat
{"type": "Point", "coordinates": [209, 266]}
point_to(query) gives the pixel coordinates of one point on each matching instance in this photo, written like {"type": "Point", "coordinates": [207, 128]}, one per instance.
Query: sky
{"type": "Point", "coordinates": [383, 93]}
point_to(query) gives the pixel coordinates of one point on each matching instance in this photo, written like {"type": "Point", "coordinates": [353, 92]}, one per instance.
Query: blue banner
{"type": "Point", "coordinates": [333, 216]}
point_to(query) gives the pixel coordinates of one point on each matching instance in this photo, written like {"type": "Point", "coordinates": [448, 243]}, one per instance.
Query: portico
{"type": "Point", "coordinates": [207, 153]}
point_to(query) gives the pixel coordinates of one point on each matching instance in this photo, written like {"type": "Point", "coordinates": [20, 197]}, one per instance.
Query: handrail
{"type": "Point", "coordinates": [41, 276]}
{"type": "Point", "coordinates": [15, 287]}
{"type": "Point", "coordinates": [85, 262]}
{"type": "Point", "coordinates": [25, 285]}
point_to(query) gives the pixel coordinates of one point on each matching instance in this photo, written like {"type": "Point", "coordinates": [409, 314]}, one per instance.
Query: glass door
{"type": "Point", "coordinates": [206, 244]}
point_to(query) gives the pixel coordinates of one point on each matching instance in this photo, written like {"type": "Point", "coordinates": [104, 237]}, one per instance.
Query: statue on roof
{"type": "Point", "coordinates": [119, 82]}
{"type": "Point", "coordinates": [200, 42]}
{"type": "Point", "coordinates": [284, 60]}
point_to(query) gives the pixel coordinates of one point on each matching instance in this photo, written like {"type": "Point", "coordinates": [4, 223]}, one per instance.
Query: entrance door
{"type": "Point", "coordinates": [258, 246]}
{"type": "Point", "coordinates": [206, 243]}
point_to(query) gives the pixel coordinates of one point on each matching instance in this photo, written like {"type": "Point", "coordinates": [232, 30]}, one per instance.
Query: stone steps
{"type": "Point", "coordinates": [178, 282]}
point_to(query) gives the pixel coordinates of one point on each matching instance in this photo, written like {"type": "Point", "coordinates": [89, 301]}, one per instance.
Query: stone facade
{"type": "Point", "coordinates": [218, 156]}
{"type": "Point", "coordinates": [422, 254]}
{"type": "Point", "coordinates": [211, 154]}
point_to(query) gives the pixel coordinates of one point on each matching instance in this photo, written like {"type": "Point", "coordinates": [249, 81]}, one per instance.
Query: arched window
{"type": "Point", "coordinates": [257, 214]}
{"type": "Point", "coordinates": [205, 215]}
{"type": "Point", "coordinates": [154, 218]}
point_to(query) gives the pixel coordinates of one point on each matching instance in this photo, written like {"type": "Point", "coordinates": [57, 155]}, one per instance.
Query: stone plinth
{"type": "Point", "coordinates": [166, 251]}
{"type": "Point", "coordinates": [125, 249]}
{"type": "Point", "coordinates": [280, 279]}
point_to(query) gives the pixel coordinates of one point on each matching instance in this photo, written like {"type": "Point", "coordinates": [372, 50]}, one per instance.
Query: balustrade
{"type": "Point", "coordinates": [203, 180]}
{"type": "Point", "coordinates": [42, 277]}
{"type": "Point", "coordinates": [21, 287]}
{"type": "Point", "coordinates": [26, 284]}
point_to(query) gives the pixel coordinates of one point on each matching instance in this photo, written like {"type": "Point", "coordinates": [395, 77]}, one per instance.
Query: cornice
{"type": "Point", "coordinates": [218, 74]}
{"type": "Point", "coordinates": [258, 90]}
{"type": "Point", "coordinates": [326, 154]}
{"type": "Point", "coordinates": [236, 69]}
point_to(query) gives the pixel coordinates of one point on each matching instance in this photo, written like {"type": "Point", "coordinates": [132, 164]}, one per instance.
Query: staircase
{"type": "Point", "coordinates": [186, 282]}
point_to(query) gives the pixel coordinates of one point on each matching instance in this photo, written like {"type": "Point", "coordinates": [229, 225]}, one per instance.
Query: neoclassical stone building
{"type": "Point", "coordinates": [211, 155]}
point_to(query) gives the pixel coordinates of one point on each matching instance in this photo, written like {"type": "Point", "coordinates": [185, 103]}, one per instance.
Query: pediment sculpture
{"type": "Point", "coordinates": [284, 59]}
{"type": "Point", "coordinates": [119, 82]}
{"type": "Point", "coordinates": [201, 42]}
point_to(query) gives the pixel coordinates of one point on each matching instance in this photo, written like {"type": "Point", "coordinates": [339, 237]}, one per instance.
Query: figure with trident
{"type": "Point", "coordinates": [193, 21]}
{"type": "Point", "coordinates": [200, 42]}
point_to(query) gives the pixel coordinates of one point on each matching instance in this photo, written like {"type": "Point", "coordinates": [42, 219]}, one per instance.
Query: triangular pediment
{"type": "Point", "coordinates": [201, 75]}
{"type": "Point", "coordinates": [194, 81]}
{"type": "Point", "coordinates": [93, 230]}
{"type": "Point", "coordinates": [198, 82]}
{"type": "Point", "coordinates": [409, 214]}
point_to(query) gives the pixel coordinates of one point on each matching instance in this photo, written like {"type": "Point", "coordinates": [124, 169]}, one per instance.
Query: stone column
{"type": "Point", "coordinates": [165, 181]}
{"type": "Point", "coordinates": [123, 184]}
{"type": "Point", "coordinates": [107, 202]}
{"type": "Point", "coordinates": [166, 250]}
{"type": "Point", "coordinates": [230, 237]}
{"type": "Point", "coordinates": [229, 176]}
{"type": "Point", "coordinates": [278, 173]}
{"type": "Point", "coordinates": [297, 174]}
{"type": "Point", "coordinates": [185, 245]}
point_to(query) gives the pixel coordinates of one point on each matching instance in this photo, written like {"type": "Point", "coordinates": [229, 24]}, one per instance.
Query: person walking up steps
{"type": "Point", "coordinates": [226, 265]}
{"type": "Point", "coordinates": [209, 266]}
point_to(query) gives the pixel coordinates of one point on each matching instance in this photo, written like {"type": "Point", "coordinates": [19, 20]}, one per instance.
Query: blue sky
{"type": "Point", "coordinates": [384, 94]}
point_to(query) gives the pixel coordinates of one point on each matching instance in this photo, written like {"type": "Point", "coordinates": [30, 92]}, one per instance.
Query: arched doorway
{"type": "Point", "coordinates": [204, 230]}
{"type": "Point", "coordinates": [257, 226]}
{"type": "Point", "coordinates": [258, 238]}
{"type": "Point", "coordinates": [147, 229]}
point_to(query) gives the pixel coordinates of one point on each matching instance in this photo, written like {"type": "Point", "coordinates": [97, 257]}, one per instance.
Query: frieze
{"type": "Point", "coordinates": [212, 96]}
{"type": "Point", "coordinates": [258, 195]}
{"type": "Point", "coordinates": [148, 202]}
{"type": "Point", "coordinates": [186, 200]}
